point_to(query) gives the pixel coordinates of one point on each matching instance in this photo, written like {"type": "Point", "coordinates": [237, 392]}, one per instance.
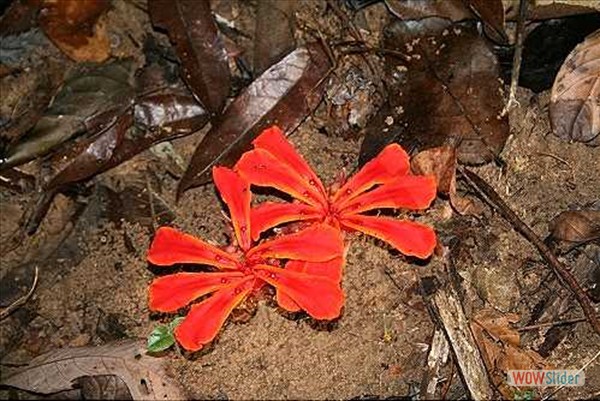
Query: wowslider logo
{"type": "Point", "coordinates": [545, 378]}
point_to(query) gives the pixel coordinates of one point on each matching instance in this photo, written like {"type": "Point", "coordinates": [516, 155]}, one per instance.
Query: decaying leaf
{"type": "Point", "coordinates": [76, 28]}
{"type": "Point", "coordinates": [491, 13]}
{"type": "Point", "coordinates": [283, 95]}
{"type": "Point", "coordinates": [576, 227]}
{"type": "Point", "coordinates": [90, 98]}
{"type": "Point", "coordinates": [575, 99]}
{"type": "Point", "coordinates": [274, 35]}
{"type": "Point", "coordinates": [155, 118]}
{"type": "Point", "coordinates": [454, 10]}
{"type": "Point", "coordinates": [444, 88]}
{"type": "Point", "coordinates": [500, 347]}
{"type": "Point", "coordinates": [59, 370]}
{"type": "Point", "coordinates": [442, 163]}
{"type": "Point", "coordinates": [192, 30]}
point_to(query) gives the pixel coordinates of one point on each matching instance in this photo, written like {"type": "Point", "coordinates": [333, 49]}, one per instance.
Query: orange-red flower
{"type": "Point", "coordinates": [384, 182]}
{"type": "Point", "coordinates": [315, 290]}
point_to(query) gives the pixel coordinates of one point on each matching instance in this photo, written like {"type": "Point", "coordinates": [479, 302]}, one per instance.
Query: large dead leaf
{"type": "Point", "coordinates": [59, 370]}
{"type": "Point", "coordinates": [444, 88]}
{"type": "Point", "coordinates": [283, 95]}
{"type": "Point", "coordinates": [192, 30]}
{"type": "Point", "coordinates": [88, 98]}
{"type": "Point", "coordinates": [155, 118]}
{"type": "Point", "coordinates": [76, 28]}
{"type": "Point", "coordinates": [575, 227]}
{"type": "Point", "coordinates": [575, 99]}
{"type": "Point", "coordinates": [500, 346]}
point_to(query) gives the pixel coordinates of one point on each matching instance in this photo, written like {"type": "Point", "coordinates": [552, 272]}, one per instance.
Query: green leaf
{"type": "Point", "coordinates": [160, 339]}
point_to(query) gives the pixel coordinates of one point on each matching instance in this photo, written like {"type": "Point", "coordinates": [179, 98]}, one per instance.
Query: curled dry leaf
{"type": "Point", "coordinates": [192, 30]}
{"type": "Point", "coordinates": [76, 28]}
{"type": "Point", "coordinates": [59, 370]}
{"type": "Point", "coordinates": [283, 95]}
{"type": "Point", "coordinates": [441, 162]}
{"type": "Point", "coordinates": [90, 98]}
{"type": "Point", "coordinates": [500, 347]}
{"type": "Point", "coordinates": [444, 88]}
{"type": "Point", "coordinates": [575, 99]}
{"type": "Point", "coordinates": [576, 227]}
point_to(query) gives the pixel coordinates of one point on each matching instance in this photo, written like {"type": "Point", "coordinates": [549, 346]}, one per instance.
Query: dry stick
{"type": "Point", "coordinates": [552, 324]}
{"type": "Point", "coordinates": [489, 195]}
{"type": "Point", "coordinates": [516, 67]}
{"type": "Point", "coordinates": [21, 301]}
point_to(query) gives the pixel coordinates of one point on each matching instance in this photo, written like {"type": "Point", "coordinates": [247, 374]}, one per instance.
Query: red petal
{"type": "Point", "coordinates": [205, 319]}
{"type": "Point", "coordinates": [171, 246]}
{"type": "Point", "coordinates": [271, 214]}
{"type": "Point", "coordinates": [319, 296]}
{"type": "Point", "coordinates": [390, 163]}
{"type": "Point", "coordinates": [408, 237]}
{"type": "Point", "coordinates": [169, 293]}
{"type": "Point", "coordinates": [409, 192]}
{"type": "Point", "coordinates": [235, 192]}
{"type": "Point", "coordinates": [273, 140]}
{"type": "Point", "coordinates": [262, 168]}
{"type": "Point", "coordinates": [318, 243]}
{"type": "Point", "coordinates": [331, 270]}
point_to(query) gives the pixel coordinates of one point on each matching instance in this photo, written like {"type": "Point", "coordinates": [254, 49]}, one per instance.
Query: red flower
{"type": "Point", "coordinates": [247, 270]}
{"type": "Point", "coordinates": [384, 182]}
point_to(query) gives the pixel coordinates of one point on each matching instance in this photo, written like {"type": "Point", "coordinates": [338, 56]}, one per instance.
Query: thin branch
{"type": "Point", "coordinates": [489, 195]}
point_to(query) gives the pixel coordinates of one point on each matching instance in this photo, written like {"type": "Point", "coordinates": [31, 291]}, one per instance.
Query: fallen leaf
{"type": "Point", "coordinates": [491, 13]}
{"type": "Point", "coordinates": [441, 162]}
{"type": "Point", "coordinates": [192, 30]}
{"type": "Point", "coordinates": [454, 10]}
{"type": "Point", "coordinates": [83, 105]}
{"type": "Point", "coordinates": [548, 9]}
{"type": "Point", "coordinates": [283, 95]}
{"type": "Point", "coordinates": [155, 118]}
{"type": "Point", "coordinates": [103, 387]}
{"type": "Point", "coordinates": [19, 17]}
{"type": "Point", "coordinates": [576, 227]}
{"type": "Point", "coordinates": [500, 346]}
{"type": "Point", "coordinates": [274, 35]}
{"type": "Point", "coordinates": [76, 28]}
{"type": "Point", "coordinates": [61, 369]}
{"type": "Point", "coordinates": [444, 88]}
{"type": "Point", "coordinates": [575, 98]}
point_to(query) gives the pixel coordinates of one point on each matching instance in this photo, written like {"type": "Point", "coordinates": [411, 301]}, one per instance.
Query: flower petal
{"type": "Point", "coordinates": [235, 192]}
{"type": "Point", "coordinates": [270, 214]}
{"type": "Point", "coordinates": [390, 163]}
{"type": "Point", "coordinates": [171, 246]}
{"type": "Point", "coordinates": [263, 169]}
{"type": "Point", "coordinates": [273, 140]}
{"type": "Point", "coordinates": [331, 269]}
{"type": "Point", "coordinates": [320, 297]}
{"type": "Point", "coordinates": [205, 319]}
{"type": "Point", "coordinates": [169, 293]}
{"type": "Point", "coordinates": [318, 243]}
{"type": "Point", "coordinates": [406, 192]}
{"type": "Point", "coordinates": [408, 237]}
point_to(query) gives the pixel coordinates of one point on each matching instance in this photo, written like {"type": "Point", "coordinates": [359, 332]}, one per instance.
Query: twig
{"type": "Point", "coordinates": [21, 301]}
{"type": "Point", "coordinates": [552, 324]}
{"type": "Point", "coordinates": [490, 196]}
{"type": "Point", "coordinates": [516, 66]}
{"type": "Point", "coordinates": [151, 203]}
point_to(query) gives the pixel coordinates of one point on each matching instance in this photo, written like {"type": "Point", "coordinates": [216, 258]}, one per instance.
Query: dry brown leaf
{"type": "Point", "coordinates": [442, 162]}
{"type": "Point", "coordinates": [575, 99]}
{"type": "Point", "coordinates": [576, 226]}
{"type": "Point", "coordinates": [500, 346]}
{"type": "Point", "coordinates": [77, 28]}
{"type": "Point", "coordinates": [60, 369]}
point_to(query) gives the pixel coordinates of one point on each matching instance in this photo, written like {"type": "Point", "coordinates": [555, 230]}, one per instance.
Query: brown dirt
{"type": "Point", "coordinates": [94, 277]}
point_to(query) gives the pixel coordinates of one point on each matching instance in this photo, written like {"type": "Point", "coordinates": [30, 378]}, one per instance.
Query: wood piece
{"type": "Point", "coordinates": [437, 358]}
